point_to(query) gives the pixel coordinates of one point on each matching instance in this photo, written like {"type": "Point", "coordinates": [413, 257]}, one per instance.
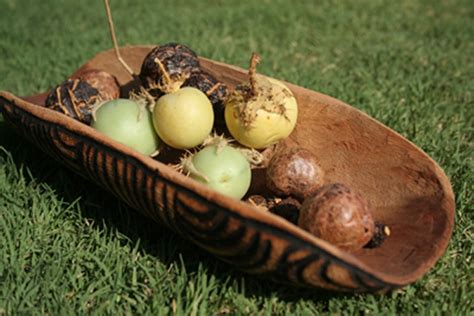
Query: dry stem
{"type": "Point", "coordinates": [254, 60]}
{"type": "Point", "coordinates": [114, 39]}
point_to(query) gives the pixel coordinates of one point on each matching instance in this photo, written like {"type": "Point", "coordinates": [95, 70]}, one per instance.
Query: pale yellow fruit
{"type": "Point", "coordinates": [264, 119]}
{"type": "Point", "coordinates": [183, 119]}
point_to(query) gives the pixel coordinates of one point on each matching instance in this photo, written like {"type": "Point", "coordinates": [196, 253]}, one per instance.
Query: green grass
{"type": "Point", "coordinates": [67, 247]}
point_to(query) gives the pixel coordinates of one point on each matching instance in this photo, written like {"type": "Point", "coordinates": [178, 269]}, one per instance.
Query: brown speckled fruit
{"type": "Point", "coordinates": [338, 215]}
{"type": "Point", "coordinates": [104, 82]}
{"type": "Point", "coordinates": [74, 98]}
{"type": "Point", "coordinates": [179, 63]}
{"type": "Point", "coordinates": [294, 171]}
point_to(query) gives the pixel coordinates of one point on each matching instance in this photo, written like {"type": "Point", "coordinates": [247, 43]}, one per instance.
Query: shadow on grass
{"type": "Point", "coordinates": [105, 210]}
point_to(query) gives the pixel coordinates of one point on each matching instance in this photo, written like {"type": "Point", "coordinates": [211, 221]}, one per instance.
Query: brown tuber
{"type": "Point", "coordinates": [214, 89]}
{"type": "Point", "coordinates": [338, 215]}
{"type": "Point", "coordinates": [75, 98]}
{"type": "Point", "coordinates": [294, 172]}
{"type": "Point", "coordinates": [287, 208]}
{"type": "Point", "coordinates": [104, 82]}
{"type": "Point", "coordinates": [167, 67]}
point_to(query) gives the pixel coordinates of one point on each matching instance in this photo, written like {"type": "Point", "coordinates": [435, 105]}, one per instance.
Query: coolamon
{"type": "Point", "coordinates": [407, 189]}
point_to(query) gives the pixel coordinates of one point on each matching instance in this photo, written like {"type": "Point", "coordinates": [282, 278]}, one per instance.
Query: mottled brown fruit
{"type": "Point", "coordinates": [104, 82]}
{"type": "Point", "coordinates": [338, 215]}
{"type": "Point", "coordinates": [294, 172]}
{"type": "Point", "coordinates": [74, 98]}
{"type": "Point", "coordinates": [179, 63]}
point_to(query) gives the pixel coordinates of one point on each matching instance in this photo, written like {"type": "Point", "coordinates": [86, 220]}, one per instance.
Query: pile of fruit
{"type": "Point", "coordinates": [220, 138]}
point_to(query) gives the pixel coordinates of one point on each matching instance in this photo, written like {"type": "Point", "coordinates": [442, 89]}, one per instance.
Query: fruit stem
{"type": "Point", "coordinates": [189, 168]}
{"type": "Point", "coordinates": [254, 60]}
{"type": "Point", "coordinates": [219, 141]}
{"type": "Point", "coordinates": [114, 39]}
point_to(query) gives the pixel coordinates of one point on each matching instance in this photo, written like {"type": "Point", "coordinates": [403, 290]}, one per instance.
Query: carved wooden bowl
{"type": "Point", "coordinates": [407, 190]}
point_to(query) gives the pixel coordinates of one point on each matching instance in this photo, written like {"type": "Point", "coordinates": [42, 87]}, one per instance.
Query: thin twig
{"type": "Point", "coordinates": [114, 39]}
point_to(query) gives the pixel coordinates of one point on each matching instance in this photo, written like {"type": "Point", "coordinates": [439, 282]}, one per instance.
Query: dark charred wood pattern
{"type": "Point", "coordinates": [247, 243]}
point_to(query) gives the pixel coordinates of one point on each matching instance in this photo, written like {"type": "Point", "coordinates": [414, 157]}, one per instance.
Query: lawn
{"type": "Point", "coordinates": [67, 247]}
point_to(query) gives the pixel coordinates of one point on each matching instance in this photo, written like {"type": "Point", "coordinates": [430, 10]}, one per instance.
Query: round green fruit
{"type": "Point", "coordinates": [126, 122]}
{"type": "Point", "coordinates": [224, 169]}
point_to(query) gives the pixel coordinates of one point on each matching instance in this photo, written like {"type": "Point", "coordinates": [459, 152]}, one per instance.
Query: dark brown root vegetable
{"type": "Point", "coordinates": [213, 88]}
{"type": "Point", "coordinates": [288, 208]}
{"type": "Point", "coordinates": [104, 82]}
{"type": "Point", "coordinates": [338, 215]}
{"type": "Point", "coordinates": [75, 98]}
{"type": "Point", "coordinates": [381, 232]}
{"type": "Point", "coordinates": [294, 172]}
{"type": "Point", "coordinates": [167, 67]}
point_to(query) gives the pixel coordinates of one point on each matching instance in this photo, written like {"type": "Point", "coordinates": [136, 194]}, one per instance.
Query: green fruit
{"type": "Point", "coordinates": [224, 169]}
{"type": "Point", "coordinates": [126, 122]}
{"type": "Point", "coordinates": [183, 119]}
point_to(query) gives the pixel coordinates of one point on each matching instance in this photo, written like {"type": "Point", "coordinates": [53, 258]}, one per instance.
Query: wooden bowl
{"type": "Point", "coordinates": [408, 191]}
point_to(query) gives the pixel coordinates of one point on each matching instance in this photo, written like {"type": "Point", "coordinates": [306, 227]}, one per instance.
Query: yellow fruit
{"type": "Point", "coordinates": [264, 118]}
{"type": "Point", "coordinates": [183, 119]}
